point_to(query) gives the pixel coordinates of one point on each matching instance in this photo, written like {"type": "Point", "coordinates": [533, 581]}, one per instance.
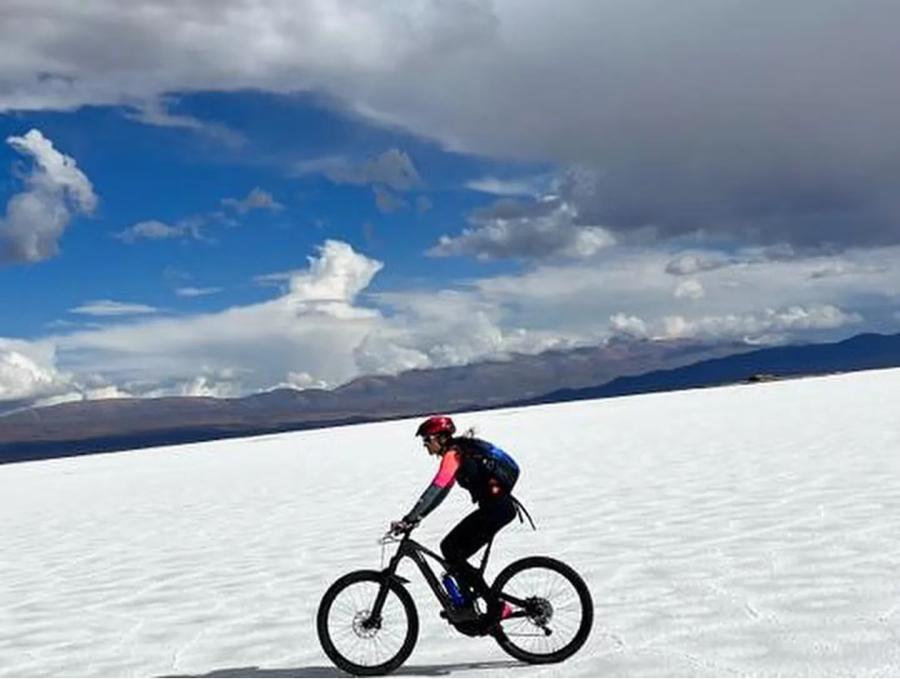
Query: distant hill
{"type": "Point", "coordinates": [862, 352]}
{"type": "Point", "coordinates": [116, 424]}
{"type": "Point", "coordinates": [614, 369]}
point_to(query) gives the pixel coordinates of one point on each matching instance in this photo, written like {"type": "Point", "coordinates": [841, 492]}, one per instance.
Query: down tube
{"type": "Point", "coordinates": [432, 581]}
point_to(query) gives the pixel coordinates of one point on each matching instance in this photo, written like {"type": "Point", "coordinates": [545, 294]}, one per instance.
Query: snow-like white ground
{"type": "Point", "coordinates": [747, 530]}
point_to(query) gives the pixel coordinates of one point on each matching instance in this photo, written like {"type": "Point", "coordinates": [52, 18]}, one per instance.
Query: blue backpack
{"type": "Point", "coordinates": [496, 461]}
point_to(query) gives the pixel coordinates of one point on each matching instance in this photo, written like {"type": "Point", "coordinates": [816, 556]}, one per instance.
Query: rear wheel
{"type": "Point", "coordinates": [352, 638]}
{"type": "Point", "coordinates": [557, 614]}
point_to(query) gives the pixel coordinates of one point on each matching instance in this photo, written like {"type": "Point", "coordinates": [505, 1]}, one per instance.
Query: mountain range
{"type": "Point", "coordinates": [616, 368]}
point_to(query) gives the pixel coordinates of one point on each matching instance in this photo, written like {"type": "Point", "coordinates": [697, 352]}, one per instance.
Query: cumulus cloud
{"type": "Point", "coordinates": [56, 191]}
{"type": "Point", "coordinates": [540, 229]}
{"type": "Point", "coordinates": [689, 289]}
{"type": "Point", "coordinates": [81, 393]}
{"type": "Point", "coordinates": [28, 371]}
{"type": "Point", "coordinates": [334, 278]}
{"type": "Point", "coordinates": [325, 325]}
{"type": "Point", "coordinates": [771, 323]}
{"type": "Point", "coordinates": [204, 386]}
{"type": "Point", "coordinates": [575, 299]}
{"type": "Point", "coordinates": [108, 307]}
{"type": "Point", "coordinates": [446, 328]}
{"type": "Point", "coordinates": [765, 326]}
{"type": "Point", "coordinates": [629, 326]}
{"type": "Point", "coordinates": [312, 327]}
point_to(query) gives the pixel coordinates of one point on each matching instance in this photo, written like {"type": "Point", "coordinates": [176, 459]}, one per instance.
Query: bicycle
{"type": "Point", "coordinates": [368, 624]}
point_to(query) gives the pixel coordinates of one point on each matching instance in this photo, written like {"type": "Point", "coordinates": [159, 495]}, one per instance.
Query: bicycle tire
{"type": "Point", "coordinates": [506, 641]}
{"type": "Point", "coordinates": [328, 643]}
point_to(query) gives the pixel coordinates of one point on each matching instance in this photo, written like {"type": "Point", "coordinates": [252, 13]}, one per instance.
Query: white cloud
{"type": "Point", "coordinates": [257, 199]}
{"type": "Point", "coordinates": [56, 190]}
{"type": "Point", "coordinates": [204, 386]}
{"type": "Point", "coordinates": [27, 371]}
{"type": "Point", "coordinates": [336, 277]}
{"type": "Point", "coordinates": [699, 261]}
{"type": "Point", "coordinates": [156, 111]}
{"type": "Point", "coordinates": [303, 380]}
{"type": "Point", "coordinates": [388, 173]}
{"type": "Point", "coordinates": [323, 327]}
{"type": "Point", "coordinates": [573, 300]}
{"type": "Point", "coordinates": [83, 394]}
{"type": "Point", "coordinates": [691, 263]}
{"type": "Point", "coordinates": [771, 323]}
{"type": "Point", "coordinates": [313, 328]}
{"type": "Point", "coordinates": [192, 227]}
{"type": "Point", "coordinates": [689, 289]}
{"type": "Point", "coordinates": [155, 230]}
{"type": "Point", "coordinates": [108, 307]}
{"type": "Point", "coordinates": [277, 278]}
{"type": "Point", "coordinates": [631, 326]}
{"type": "Point", "coordinates": [196, 292]}
{"type": "Point", "coordinates": [504, 187]}
{"type": "Point", "coordinates": [447, 327]}
{"type": "Point", "coordinates": [537, 230]}
{"type": "Point", "coordinates": [392, 169]}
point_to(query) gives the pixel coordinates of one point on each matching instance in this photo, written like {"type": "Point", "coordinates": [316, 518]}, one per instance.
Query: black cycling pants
{"type": "Point", "coordinates": [470, 535]}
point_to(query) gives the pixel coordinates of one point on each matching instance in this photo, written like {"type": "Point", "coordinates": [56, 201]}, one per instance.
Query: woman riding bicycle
{"type": "Point", "coordinates": [488, 474]}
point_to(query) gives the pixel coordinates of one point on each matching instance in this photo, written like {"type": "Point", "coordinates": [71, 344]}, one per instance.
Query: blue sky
{"type": "Point", "coordinates": [218, 200]}
{"type": "Point", "coordinates": [142, 172]}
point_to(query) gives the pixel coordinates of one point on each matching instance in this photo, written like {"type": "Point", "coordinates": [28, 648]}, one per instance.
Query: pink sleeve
{"type": "Point", "coordinates": [447, 472]}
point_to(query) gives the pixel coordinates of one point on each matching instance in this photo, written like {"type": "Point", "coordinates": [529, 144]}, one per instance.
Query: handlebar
{"type": "Point", "coordinates": [396, 535]}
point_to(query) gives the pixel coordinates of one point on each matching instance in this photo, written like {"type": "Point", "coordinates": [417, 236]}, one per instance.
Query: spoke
{"type": "Point", "coordinates": [545, 583]}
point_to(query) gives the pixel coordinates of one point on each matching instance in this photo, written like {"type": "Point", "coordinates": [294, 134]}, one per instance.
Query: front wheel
{"type": "Point", "coordinates": [551, 610]}
{"type": "Point", "coordinates": [353, 638]}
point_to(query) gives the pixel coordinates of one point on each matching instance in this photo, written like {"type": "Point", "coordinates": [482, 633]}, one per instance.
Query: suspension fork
{"type": "Point", "coordinates": [388, 574]}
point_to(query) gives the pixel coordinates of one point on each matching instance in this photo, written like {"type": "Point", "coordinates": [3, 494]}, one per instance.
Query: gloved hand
{"type": "Point", "coordinates": [402, 526]}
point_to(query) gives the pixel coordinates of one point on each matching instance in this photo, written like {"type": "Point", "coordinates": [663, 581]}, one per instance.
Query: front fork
{"type": "Point", "coordinates": [388, 574]}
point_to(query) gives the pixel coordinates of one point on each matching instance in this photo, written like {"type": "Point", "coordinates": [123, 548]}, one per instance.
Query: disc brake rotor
{"type": "Point", "coordinates": [361, 628]}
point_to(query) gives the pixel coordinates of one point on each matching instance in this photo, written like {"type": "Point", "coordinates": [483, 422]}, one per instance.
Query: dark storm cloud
{"type": "Point", "coordinates": [758, 122]}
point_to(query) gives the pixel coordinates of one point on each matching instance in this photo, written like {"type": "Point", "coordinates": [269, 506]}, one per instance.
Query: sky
{"type": "Point", "coordinates": [224, 199]}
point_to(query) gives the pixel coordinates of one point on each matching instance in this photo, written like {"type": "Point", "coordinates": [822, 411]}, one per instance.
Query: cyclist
{"type": "Point", "coordinates": [489, 487]}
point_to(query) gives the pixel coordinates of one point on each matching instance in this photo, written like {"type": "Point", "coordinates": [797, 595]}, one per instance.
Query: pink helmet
{"type": "Point", "coordinates": [439, 424]}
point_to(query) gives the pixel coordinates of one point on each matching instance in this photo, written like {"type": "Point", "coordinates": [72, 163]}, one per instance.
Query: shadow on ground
{"type": "Point", "coordinates": [330, 671]}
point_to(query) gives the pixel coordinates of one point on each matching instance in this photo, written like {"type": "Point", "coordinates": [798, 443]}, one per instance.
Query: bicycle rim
{"type": "Point", "coordinates": [358, 642]}
{"type": "Point", "coordinates": [556, 618]}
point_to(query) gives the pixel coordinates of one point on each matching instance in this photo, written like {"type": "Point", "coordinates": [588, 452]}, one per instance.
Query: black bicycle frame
{"type": "Point", "coordinates": [411, 549]}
